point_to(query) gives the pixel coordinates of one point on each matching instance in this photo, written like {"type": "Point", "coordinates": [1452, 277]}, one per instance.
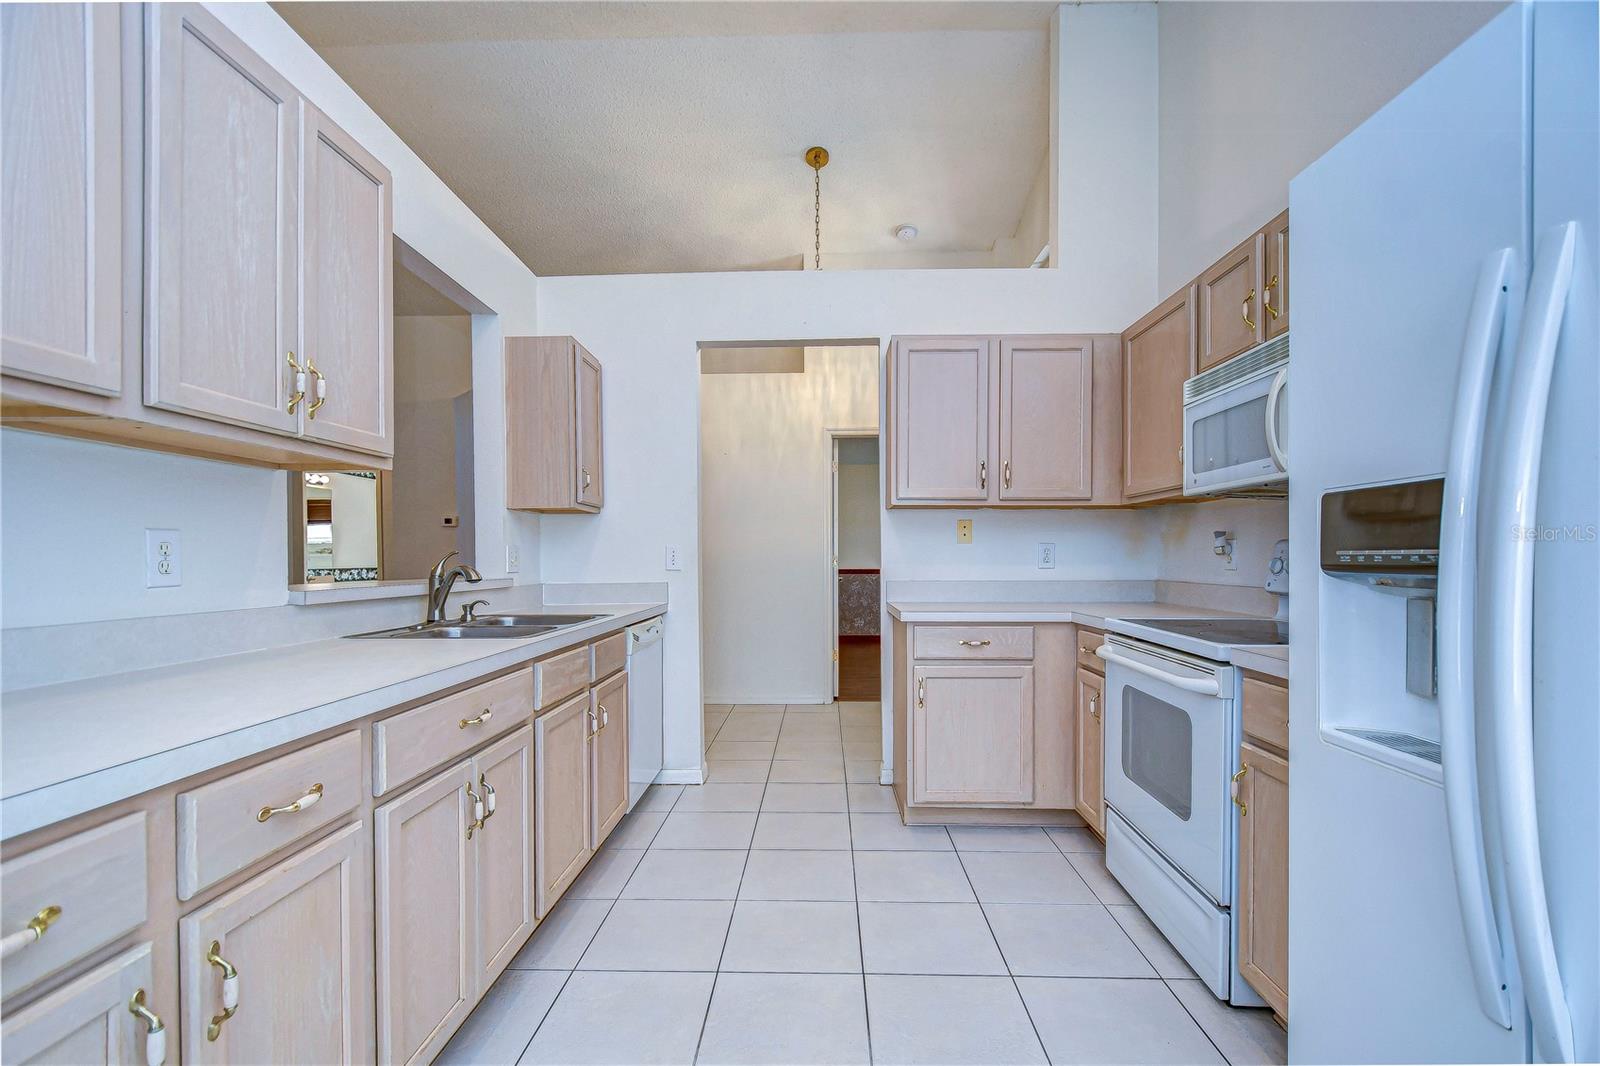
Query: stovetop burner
{"type": "Point", "coordinates": [1221, 630]}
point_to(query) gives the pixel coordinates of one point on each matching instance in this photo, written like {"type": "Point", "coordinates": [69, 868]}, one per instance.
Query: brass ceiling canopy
{"type": "Point", "coordinates": [816, 159]}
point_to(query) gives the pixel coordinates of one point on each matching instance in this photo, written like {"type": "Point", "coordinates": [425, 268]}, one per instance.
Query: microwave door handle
{"type": "Point", "coordinates": [1205, 686]}
{"type": "Point", "coordinates": [1280, 454]}
{"type": "Point", "coordinates": [1456, 618]}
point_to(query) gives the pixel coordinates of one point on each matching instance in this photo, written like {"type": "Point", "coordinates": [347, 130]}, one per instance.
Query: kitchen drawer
{"type": "Point", "coordinates": [1089, 641]}
{"type": "Point", "coordinates": [610, 655]}
{"type": "Point", "coordinates": [220, 825]}
{"type": "Point", "coordinates": [99, 881]}
{"type": "Point", "coordinates": [417, 740]}
{"type": "Point", "coordinates": [560, 676]}
{"type": "Point", "coordinates": [972, 642]}
{"type": "Point", "coordinates": [1266, 711]}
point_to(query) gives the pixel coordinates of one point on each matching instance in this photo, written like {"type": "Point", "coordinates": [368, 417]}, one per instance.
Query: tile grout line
{"type": "Point", "coordinates": [855, 892]}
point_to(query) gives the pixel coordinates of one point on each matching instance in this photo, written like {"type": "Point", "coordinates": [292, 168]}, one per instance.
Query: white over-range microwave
{"type": "Point", "coordinates": [1235, 423]}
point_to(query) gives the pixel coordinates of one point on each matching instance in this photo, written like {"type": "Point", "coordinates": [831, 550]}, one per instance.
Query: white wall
{"type": "Point", "coordinates": [860, 518]}
{"type": "Point", "coordinates": [1186, 540]}
{"type": "Point", "coordinates": [1253, 92]}
{"type": "Point", "coordinates": [432, 369]}
{"type": "Point", "coordinates": [764, 495]}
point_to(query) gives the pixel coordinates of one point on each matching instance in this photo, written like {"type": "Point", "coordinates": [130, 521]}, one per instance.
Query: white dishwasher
{"type": "Point", "coordinates": [646, 695]}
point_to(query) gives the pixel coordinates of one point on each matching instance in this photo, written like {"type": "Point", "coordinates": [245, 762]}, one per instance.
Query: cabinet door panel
{"type": "Point", "coordinates": [87, 1022]}
{"type": "Point", "coordinates": [300, 937]}
{"type": "Point", "coordinates": [942, 420]}
{"type": "Point", "coordinates": [426, 888]}
{"type": "Point", "coordinates": [562, 772]}
{"type": "Point", "coordinates": [1157, 356]}
{"type": "Point", "coordinates": [591, 460]}
{"type": "Point", "coordinates": [610, 746]}
{"type": "Point", "coordinates": [972, 734]}
{"type": "Point", "coordinates": [505, 852]}
{"type": "Point", "coordinates": [61, 108]}
{"type": "Point", "coordinates": [1091, 749]}
{"type": "Point", "coordinates": [1230, 305]}
{"type": "Point", "coordinates": [1275, 267]}
{"type": "Point", "coordinates": [1263, 905]}
{"type": "Point", "coordinates": [221, 223]}
{"type": "Point", "coordinates": [1046, 419]}
{"type": "Point", "coordinates": [347, 287]}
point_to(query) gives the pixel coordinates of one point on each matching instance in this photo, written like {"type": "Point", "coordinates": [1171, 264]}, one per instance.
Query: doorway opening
{"type": "Point", "coordinates": [856, 582]}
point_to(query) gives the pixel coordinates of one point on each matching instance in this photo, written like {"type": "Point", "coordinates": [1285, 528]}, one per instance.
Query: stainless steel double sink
{"type": "Point", "coordinates": [489, 626]}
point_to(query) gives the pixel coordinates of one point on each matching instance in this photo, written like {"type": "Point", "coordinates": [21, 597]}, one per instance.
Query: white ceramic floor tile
{"type": "Point", "coordinates": [623, 1018]}
{"type": "Point", "coordinates": [949, 1021]}
{"type": "Point", "coordinates": [655, 934]}
{"type": "Point", "coordinates": [1092, 867]}
{"type": "Point", "coordinates": [885, 832]}
{"type": "Point", "coordinates": [503, 1022]}
{"type": "Point", "coordinates": [757, 727]}
{"type": "Point", "coordinates": [636, 830]}
{"type": "Point", "coordinates": [742, 749]}
{"type": "Point", "coordinates": [911, 877]}
{"type": "Point", "coordinates": [605, 875]}
{"type": "Point", "coordinates": [659, 798]}
{"type": "Point", "coordinates": [758, 708]}
{"type": "Point", "coordinates": [1142, 931]}
{"type": "Point", "coordinates": [771, 936]}
{"type": "Point", "coordinates": [1000, 838]}
{"type": "Point", "coordinates": [927, 938]}
{"type": "Point", "coordinates": [802, 832]}
{"type": "Point", "coordinates": [720, 771]}
{"type": "Point", "coordinates": [789, 748]}
{"type": "Point", "coordinates": [559, 941]}
{"type": "Point", "coordinates": [802, 875]}
{"type": "Point", "coordinates": [721, 796]}
{"type": "Point", "coordinates": [804, 727]}
{"type": "Point", "coordinates": [872, 799]}
{"type": "Point", "coordinates": [1087, 1020]}
{"type": "Point", "coordinates": [1046, 940]}
{"type": "Point", "coordinates": [1071, 840]}
{"type": "Point", "coordinates": [692, 830]}
{"type": "Point", "coordinates": [1246, 1036]}
{"type": "Point", "coordinates": [670, 874]}
{"type": "Point", "coordinates": [798, 798]}
{"type": "Point", "coordinates": [871, 748]}
{"type": "Point", "coordinates": [1024, 877]}
{"type": "Point", "coordinates": [718, 708]}
{"type": "Point", "coordinates": [790, 1019]}
{"type": "Point", "coordinates": [829, 710]}
{"type": "Point", "coordinates": [863, 771]}
{"type": "Point", "coordinates": [808, 771]}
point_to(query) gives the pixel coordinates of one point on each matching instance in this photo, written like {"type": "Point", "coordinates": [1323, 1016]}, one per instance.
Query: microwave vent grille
{"type": "Point", "coordinates": [1268, 356]}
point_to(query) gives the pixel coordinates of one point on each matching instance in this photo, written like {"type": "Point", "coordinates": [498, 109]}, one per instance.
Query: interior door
{"type": "Point", "coordinates": [972, 734]}
{"type": "Point", "coordinates": [504, 772]}
{"type": "Point", "coordinates": [1157, 357]}
{"type": "Point", "coordinates": [562, 773]}
{"type": "Point", "coordinates": [942, 402]}
{"type": "Point", "coordinates": [1046, 419]}
{"type": "Point", "coordinates": [1231, 318]}
{"type": "Point", "coordinates": [609, 721]}
{"type": "Point", "coordinates": [61, 107]}
{"type": "Point", "coordinates": [298, 939]}
{"type": "Point", "coordinates": [347, 288]}
{"type": "Point", "coordinates": [87, 1021]}
{"type": "Point", "coordinates": [222, 155]}
{"type": "Point", "coordinates": [591, 436]}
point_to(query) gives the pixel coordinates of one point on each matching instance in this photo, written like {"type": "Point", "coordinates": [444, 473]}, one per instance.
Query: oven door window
{"type": "Point", "coordinates": [1233, 436]}
{"type": "Point", "coordinates": [1158, 750]}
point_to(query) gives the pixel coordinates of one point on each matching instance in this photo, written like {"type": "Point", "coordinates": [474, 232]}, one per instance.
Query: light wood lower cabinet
{"type": "Point", "coordinates": [1091, 801]}
{"type": "Point", "coordinates": [609, 720]}
{"type": "Point", "coordinates": [563, 772]}
{"type": "Point", "coordinates": [87, 1022]}
{"type": "Point", "coordinates": [295, 944]}
{"type": "Point", "coordinates": [972, 734]}
{"type": "Point", "coordinates": [505, 852]}
{"type": "Point", "coordinates": [1262, 911]}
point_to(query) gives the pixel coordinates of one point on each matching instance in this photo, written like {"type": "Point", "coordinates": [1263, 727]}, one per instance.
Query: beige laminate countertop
{"type": "Point", "coordinates": [81, 745]}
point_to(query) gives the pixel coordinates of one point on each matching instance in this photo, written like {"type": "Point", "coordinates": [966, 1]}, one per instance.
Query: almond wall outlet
{"type": "Point", "coordinates": [963, 531]}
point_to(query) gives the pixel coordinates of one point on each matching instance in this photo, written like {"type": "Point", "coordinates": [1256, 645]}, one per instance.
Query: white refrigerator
{"type": "Point", "coordinates": [1444, 857]}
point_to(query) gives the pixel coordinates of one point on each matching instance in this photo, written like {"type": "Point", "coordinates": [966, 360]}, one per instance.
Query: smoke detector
{"type": "Point", "coordinates": [905, 233]}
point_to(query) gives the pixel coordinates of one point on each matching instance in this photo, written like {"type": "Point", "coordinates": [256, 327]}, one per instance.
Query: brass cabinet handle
{"type": "Point", "coordinates": [604, 719]}
{"type": "Point", "coordinates": [37, 926]}
{"type": "Point", "coordinates": [922, 692]}
{"type": "Point", "coordinates": [1094, 705]}
{"type": "Point", "coordinates": [322, 388]}
{"type": "Point", "coordinates": [1266, 297]}
{"type": "Point", "coordinates": [230, 990]}
{"type": "Point", "coordinates": [1234, 789]}
{"type": "Point", "coordinates": [973, 643]}
{"type": "Point", "coordinates": [587, 480]}
{"type": "Point", "coordinates": [299, 382]}
{"type": "Point", "coordinates": [1244, 309]}
{"type": "Point", "coordinates": [594, 723]}
{"type": "Point", "coordinates": [1007, 469]}
{"type": "Point", "coordinates": [478, 814]}
{"type": "Point", "coordinates": [488, 797]}
{"type": "Point", "coordinates": [310, 799]}
{"type": "Point", "coordinates": [983, 473]}
{"type": "Point", "coordinates": [479, 720]}
{"type": "Point", "coordinates": [155, 1033]}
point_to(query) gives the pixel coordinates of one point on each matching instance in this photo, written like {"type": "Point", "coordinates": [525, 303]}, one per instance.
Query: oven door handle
{"type": "Point", "coordinates": [1205, 686]}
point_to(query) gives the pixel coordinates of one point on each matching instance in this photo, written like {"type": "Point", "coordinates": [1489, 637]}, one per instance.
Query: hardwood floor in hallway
{"type": "Point", "coordinates": [860, 668]}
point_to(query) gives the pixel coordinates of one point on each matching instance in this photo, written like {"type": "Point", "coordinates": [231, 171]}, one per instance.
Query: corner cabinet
{"type": "Point", "coordinates": [1157, 357]}
{"type": "Point", "coordinates": [554, 426]}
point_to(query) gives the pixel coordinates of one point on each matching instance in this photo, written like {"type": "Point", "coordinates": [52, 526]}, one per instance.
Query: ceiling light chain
{"type": "Point", "coordinates": [816, 159]}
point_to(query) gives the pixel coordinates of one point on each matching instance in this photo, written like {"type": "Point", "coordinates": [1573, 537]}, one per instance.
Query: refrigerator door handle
{"type": "Point", "coordinates": [1509, 538]}
{"type": "Point", "coordinates": [1457, 624]}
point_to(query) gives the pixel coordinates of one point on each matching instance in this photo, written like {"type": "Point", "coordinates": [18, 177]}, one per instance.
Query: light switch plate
{"type": "Point", "coordinates": [673, 560]}
{"type": "Point", "coordinates": [1047, 555]}
{"type": "Point", "coordinates": [513, 559]}
{"type": "Point", "coordinates": [963, 531]}
{"type": "Point", "coordinates": [163, 558]}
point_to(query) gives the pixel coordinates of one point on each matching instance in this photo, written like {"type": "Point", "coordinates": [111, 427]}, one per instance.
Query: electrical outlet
{"type": "Point", "coordinates": [513, 559]}
{"type": "Point", "coordinates": [673, 561]}
{"type": "Point", "coordinates": [1047, 555]}
{"type": "Point", "coordinates": [163, 558]}
{"type": "Point", "coordinates": [963, 531]}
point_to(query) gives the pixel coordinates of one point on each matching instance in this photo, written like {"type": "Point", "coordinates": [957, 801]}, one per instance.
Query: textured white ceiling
{"type": "Point", "coordinates": [619, 138]}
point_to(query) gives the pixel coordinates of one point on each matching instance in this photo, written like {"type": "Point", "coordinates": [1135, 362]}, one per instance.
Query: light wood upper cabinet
{"type": "Point", "coordinates": [347, 288]}
{"type": "Point", "coordinates": [61, 109]}
{"type": "Point", "coordinates": [426, 912]}
{"type": "Point", "coordinates": [87, 1022]}
{"type": "Point", "coordinates": [1046, 409]}
{"type": "Point", "coordinates": [222, 224]}
{"type": "Point", "coordinates": [299, 940]}
{"type": "Point", "coordinates": [1091, 749]}
{"type": "Point", "coordinates": [972, 734]}
{"type": "Point", "coordinates": [941, 414]}
{"type": "Point", "coordinates": [563, 772]}
{"type": "Point", "coordinates": [1157, 357]}
{"type": "Point", "coordinates": [1231, 318]}
{"type": "Point", "coordinates": [1275, 266]}
{"type": "Point", "coordinates": [554, 426]}
{"type": "Point", "coordinates": [505, 852]}
{"type": "Point", "coordinates": [1262, 909]}
{"type": "Point", "coordinates": [610, 784]}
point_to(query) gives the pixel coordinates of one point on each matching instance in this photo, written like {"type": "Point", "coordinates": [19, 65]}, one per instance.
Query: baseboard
{"type": "Point", "coordinates": [885, 774]}
{"type": "Point", "coordinates": [768, 700]}
{"type": "Point", "coordinates": [695, 775]}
